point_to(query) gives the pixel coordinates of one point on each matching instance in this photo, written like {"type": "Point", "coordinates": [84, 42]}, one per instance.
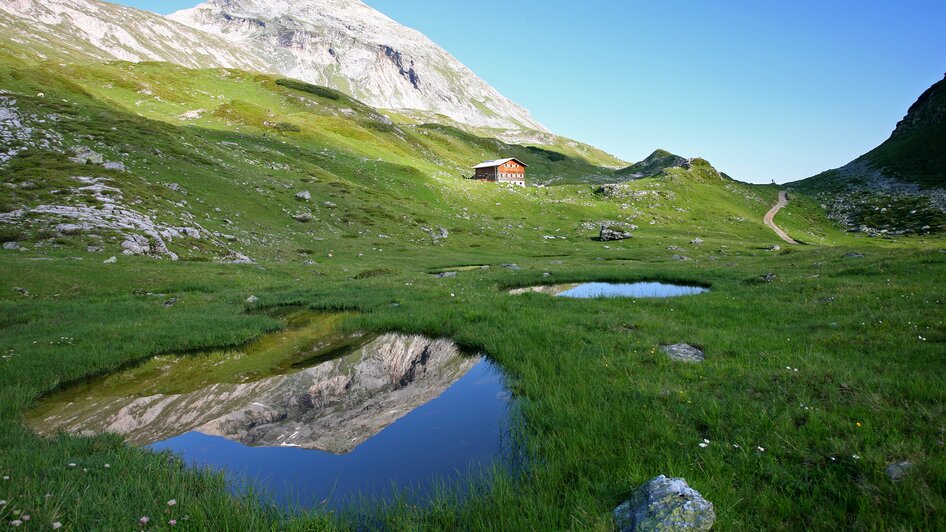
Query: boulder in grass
{"type": "Point", "coordinates": [664, 504]}
{"type": "Point", "coordinates": [684, 353]}
{"type": "Point", "coordinates": [612, 233]}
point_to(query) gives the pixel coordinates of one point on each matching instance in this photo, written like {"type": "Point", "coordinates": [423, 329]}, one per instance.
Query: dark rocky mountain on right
{"type": "Point", "coordinates": [898, 187]}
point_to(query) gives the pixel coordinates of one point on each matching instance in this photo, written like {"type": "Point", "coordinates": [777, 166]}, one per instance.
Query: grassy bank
{"type": "Point", "coordinates": [603, 410]}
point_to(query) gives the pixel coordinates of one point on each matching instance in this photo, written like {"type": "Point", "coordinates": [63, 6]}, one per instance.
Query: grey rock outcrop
{"type": "Point", "coordinates": [611, 233]}
{"type": "Point", "coordinates": [684, 353]}
{"type": "Point", "coordinates": [665, 504]}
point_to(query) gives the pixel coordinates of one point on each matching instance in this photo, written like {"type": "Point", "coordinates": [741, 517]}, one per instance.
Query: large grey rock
{"type": "Point", "coordinates": [684, 353]}
{"type": "Point", "coordinates": [665, 504]}
{"type": "Point", "coordinates": [11, 245]}
{"type": "Point", "coordinates": [610, 233]}
{"type": "Point", "coordinates": [136, 245]}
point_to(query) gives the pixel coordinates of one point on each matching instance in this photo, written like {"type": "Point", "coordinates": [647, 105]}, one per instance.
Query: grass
{"type": "Point", "coordinates": [601, 409]}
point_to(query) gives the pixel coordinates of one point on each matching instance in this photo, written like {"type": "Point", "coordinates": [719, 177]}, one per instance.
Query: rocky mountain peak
{"type": "Point", "coordinates": [347, 45]}
{"type": "Point", "coordinates": [929, 110]}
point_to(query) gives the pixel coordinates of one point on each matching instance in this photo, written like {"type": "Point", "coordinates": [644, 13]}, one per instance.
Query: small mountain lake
{"type": "Point", "coordinates": [643, 290]}
{"type": "Point", "coordinates": [309, 417]}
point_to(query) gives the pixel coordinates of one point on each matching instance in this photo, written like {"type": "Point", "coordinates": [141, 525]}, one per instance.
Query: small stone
{"type": "Point", "coordinates": [251, 300]}
{"type": "Point", "coordinates": [11, 246]}
{"type": "Point", "coordinates": [94, 249]}
{"type": "Point", "coordinates": [21, 291]}
{"type": "Point", "coordinates": [665, 504]}
{"type": "Point", "coordinates": [684, 353]}
{"type": "Point", "coordinates": [774, 247]}
{"type": "Point", "coordinates": [110, 260]}
{"type": "Point", "coordinates": [897, 471]}
{"type": "Point", "coordinates": [679, 258]}
{"type": "Point", "coordinates": [510, 266]}
{"type": "Point", "coordinates": [113, 165]}
{"type": "Point", "coordinates": [303, 217]}
{"type": "Point", "coordinates": [175, 187]}
{"type": "Point", "coordinates": [305, 195]}
{"type": "Point", "coordinates": [768, 278]}
{"type": "Point", "coordinates": [446, 274]}
{"type": "Point", "coordinates": [69, 229]}
{"type": "Point", "coordinates": [697, 241]}
{"type": "Point", "coordinates": [854, 255]}
{"type": "Point", "coordinates": [170, 302]}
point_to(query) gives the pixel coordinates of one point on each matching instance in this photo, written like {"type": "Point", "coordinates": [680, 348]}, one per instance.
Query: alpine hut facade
{"type": "Point", "coordinates": [511, 171]}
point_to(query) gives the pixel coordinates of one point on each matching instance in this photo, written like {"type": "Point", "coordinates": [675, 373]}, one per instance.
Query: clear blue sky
{"type": "Point", "coordinates": [764, 90]}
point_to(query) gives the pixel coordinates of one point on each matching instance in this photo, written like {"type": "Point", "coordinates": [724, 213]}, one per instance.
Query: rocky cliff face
{"type": "Point", "coordinates": [346, 45]}
{"type": "Point", "coordinates": [333, 406]}
{"type": "Point", "coordinates": [88, 29]}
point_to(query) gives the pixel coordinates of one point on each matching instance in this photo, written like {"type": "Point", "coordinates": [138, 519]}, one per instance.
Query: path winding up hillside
{"type": "Point", "coordinates": [770, 217]}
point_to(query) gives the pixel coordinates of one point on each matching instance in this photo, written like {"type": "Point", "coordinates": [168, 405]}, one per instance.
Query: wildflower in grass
{"type": "Point", "coordinates": [3, 502]}
{"type": "Point", "coordinates": [57, 525]}
{"type": "Point", "coordinates": [6, 477]}
{"type": "Point", "coordinates": [16, 522]}
{"type": "Point", "coordinates": [173, 522]}
{"type": "Point", "coordinates": [703, 445]}
{"type": "Point", "coordinates": [172, 502]}
{"type": "Point", "coordinates": [72, 464]}
{"type": "Point", "coordinates": [833, 459]}
{"type": "Point", "coordinates": [26, 517]}
{"type": "Point", "coordinates": [108, 466]}
{"type": "Point", "coordinates": [856, 456]}
{"type": "Point", "coordinates": [144, 520]}
{"type": "Point", "coordinates": [736, 446]}
{"type": "Point", "coordinates": [760, 449]}
{"type": "Point", "coordinates": [858, 423]}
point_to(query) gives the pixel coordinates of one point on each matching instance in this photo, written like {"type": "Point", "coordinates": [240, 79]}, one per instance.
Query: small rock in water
{"type": "Point", "coordinates": [611, 233]}
{"type": "Point", "coordinates": [110, 260]}
{"type": "Point", "coordinates": [665, 504]}
{"type": "Point", "coordinates": [684, 353]}
{"type": "Point", "coordinates": [898, 470]}
{"type": "Point", "coordinates": [252, 299]}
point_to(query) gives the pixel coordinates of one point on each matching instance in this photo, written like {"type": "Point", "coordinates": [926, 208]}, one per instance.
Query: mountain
{"type": "Point", "coordinates": [88, 30]}
{"type": "Point", "coordinates": [347, 45]}
{"type": "Point", "coordinates": [898, 187]}
{"type": "Point", "coordinates": [333, 406]}
{"type": "Point", "coordinates": [655, 163]}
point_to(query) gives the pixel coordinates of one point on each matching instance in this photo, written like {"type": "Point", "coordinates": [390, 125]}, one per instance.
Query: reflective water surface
{"type": "Point", "coordinates": [632, 290]}
{"type": "Point", "coordinates": [312, 417]}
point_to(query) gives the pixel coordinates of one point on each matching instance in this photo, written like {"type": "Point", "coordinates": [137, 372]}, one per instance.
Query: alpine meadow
{"type": "Point", "coordinates": [251, 280]}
